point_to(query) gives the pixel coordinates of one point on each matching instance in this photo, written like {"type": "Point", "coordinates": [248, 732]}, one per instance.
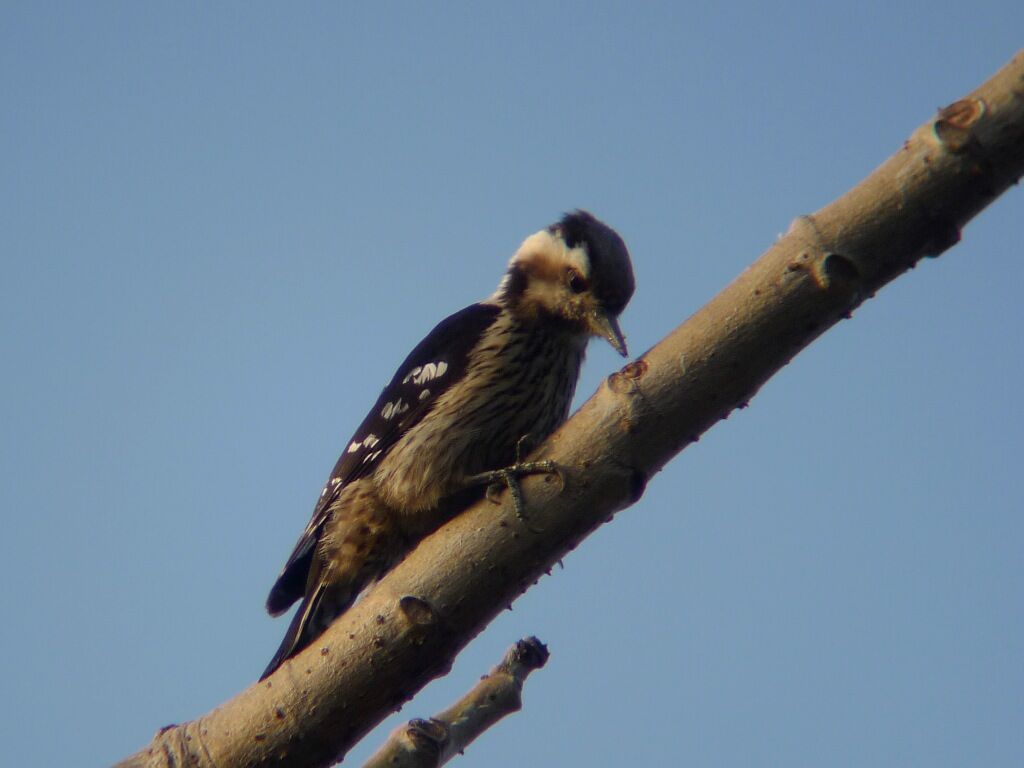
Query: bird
{"type": "Point", "coordinates": [454, 418]}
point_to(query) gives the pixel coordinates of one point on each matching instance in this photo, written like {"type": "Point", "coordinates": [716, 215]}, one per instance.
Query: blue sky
{"type": "Point", "coordinates": [225, 224]}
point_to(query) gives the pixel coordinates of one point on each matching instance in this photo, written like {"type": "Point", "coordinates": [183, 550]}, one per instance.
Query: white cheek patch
{"type": "Point", "coordinates": [543, 246]}
{"type": "Point", "coordinates": [579, 259]}
{"type": "Point", "coordinates": [538, 244]}
{"type": "Point", "coordinates": [421, 374]}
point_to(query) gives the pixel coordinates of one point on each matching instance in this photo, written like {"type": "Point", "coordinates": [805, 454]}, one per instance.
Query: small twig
{"type": "Point", "coordinates": [432, 743]}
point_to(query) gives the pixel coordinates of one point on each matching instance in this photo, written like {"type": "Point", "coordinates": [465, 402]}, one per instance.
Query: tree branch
{"type": "Point", "coordinates": [432, 743]}
{"type": "Point", "coordinates": [408, 629]}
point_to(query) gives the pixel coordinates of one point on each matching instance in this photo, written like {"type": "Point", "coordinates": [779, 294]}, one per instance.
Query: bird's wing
{"type": "Point", "coordinates": [436, 363]}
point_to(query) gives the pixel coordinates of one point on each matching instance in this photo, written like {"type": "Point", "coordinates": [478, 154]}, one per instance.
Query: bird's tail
{"type": "Point", "coordinates": [301, 632]}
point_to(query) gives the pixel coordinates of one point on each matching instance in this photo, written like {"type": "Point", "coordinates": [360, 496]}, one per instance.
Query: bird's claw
{"type": "Point", "coordinates": [508, 477]}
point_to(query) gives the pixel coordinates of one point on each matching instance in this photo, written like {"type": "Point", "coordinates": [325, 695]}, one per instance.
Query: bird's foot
{"type": "Point", "coordinates": [508, 477]}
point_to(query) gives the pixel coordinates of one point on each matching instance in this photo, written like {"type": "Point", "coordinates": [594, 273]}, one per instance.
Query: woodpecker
{"type": "Point", "coordinates": [454, 416]}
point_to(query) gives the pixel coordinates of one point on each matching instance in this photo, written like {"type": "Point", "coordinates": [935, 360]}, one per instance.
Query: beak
{"type": "Point", "coordinates": [607, 327]}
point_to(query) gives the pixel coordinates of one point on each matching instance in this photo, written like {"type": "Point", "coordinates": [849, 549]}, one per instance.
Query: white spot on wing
{"type": "Point", "coordinates": [424, 394]}
{"type": "Point", "coordinates": [371, 440]}
{"type": "Point", "coordinates": [421, 374]}
{"type": "Point", "coordinates": [390, 410]}
{"type": "Point", "coordinates": [354, 447]}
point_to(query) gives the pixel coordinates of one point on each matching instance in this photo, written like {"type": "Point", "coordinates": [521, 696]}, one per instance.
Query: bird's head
{"type": "Point", "coordinates": [575, 274]}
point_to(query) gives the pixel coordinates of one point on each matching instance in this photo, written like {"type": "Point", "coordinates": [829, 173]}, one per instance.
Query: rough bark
{"type": "Point", "coordinates": [408, 629]}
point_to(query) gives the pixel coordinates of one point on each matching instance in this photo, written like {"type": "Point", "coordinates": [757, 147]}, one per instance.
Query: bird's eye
{"type": "Point", "coordinates": [575, 281]}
